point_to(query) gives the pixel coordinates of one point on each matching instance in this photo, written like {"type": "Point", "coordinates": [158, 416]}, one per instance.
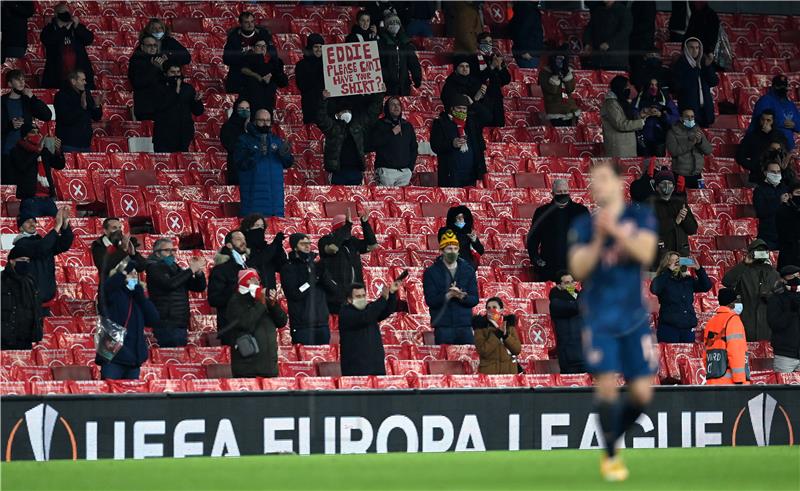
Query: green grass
{"type": "Point", "coordinates": [718, 469]}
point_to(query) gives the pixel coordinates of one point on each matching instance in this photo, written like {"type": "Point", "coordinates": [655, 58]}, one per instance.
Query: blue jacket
{"type": "Point", "coordinates": [450, 314]}
{"type": "Point", "coordinates": [655, 128]}
{"type": "Point", "coordinates": [261, 159]}
{"type": "Point", "coordinates": [118, 301]}
{"type": "Point", "coordinates": [781, 107]}
{"type": "Point", "coordinates": [687, 90]}
{"type": "Point", "coordinates": [676, 296]}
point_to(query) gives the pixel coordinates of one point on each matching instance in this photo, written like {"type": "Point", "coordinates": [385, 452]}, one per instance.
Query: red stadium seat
{"type": "Point", "coordinates": [126, 201]}
{"type": "Point", "coordinates": [74, 185]}
{"type": "Point", "coordinates": [171, 217]}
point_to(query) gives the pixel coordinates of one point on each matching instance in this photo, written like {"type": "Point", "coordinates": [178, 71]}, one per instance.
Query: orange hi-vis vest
{"type": "Point", "coordinates": [733, 341]}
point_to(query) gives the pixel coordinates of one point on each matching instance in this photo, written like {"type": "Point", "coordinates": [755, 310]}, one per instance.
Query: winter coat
{"type": "Point", "coordinates": [168, 287]}
{"type": "Point", "coordinates": [223, 283]}
{"type": "Point", "coordinates": [25, 165]}
{"type": "Point", "coordinates": [553, 86]}
{"type": "Point", "coordinates": [146, 80]}
{"type": "Point", "coordinates": [174, 51]}
{"type": "Point", "coordinates": [783, 314]}
{"type": "Point", "coordinates": [463, 20]}
{"type": "Point", "coordinates": [394, 151]}
{"type": "Point", "coordinates": [173, 126]}
{"type": "Point", "coordinates": [73, 122]}
{"type": "Point", "coordinates": [655, 128]}
{"type": "Point", "coordinates": [688, 158]}
{"type": "Point", "coordinates": [754, 282]}
{"type": "Point", "coordinates": [256, 92]}
{"type": "Point", "coordinates": [704, 25]}
{"type": "Point", "coordinates": [262, 322]}
{"type": "Point", "coordinates": [119, 301]}
{"type": "Point", "coordinates": [308, 308]}
{"type": "Point", "coordinates": [497, 351]}
{"type": "Point", "coordinates": [311, 82]}
{"type": "Point", "coordinates": [444, 131]}
{"type": "Point", "coordinates": [235, 56]}
{"type": "Point", "coordinates": [619, 132]}
{"type": "Point", "coordinates": [55, 39]}
{"type": "Point", "coordinates": [345, 265]}
{"type": "Point", "coordinates": [229, 135]}
{"type": "Point", "coordinates": [107, 256]}
{"type": "Point", "coordinates": [789, 233]}
{"type": "Point", "coordinates": [454, 313]}
{"type": "Point", "coordinates": [674, 236]}
{"type": "Point", "coordinates": [265, 258]}
{"type": "Point", "coordinates": [526, 29]}
{"type": "Point", "coordinates": [494, 79]}
{"type": "Point", "coordinates": [676, 297]}
{"type": "Point", "coordinates": [21, 313]}
{"type": "Point", "coordinates": [43, 252]}
{"type": "Point", "coordinates": [399, 63]}
{"type": "Point", "coordinates": [365, 115]}
{"type": "Point", "coordinates": [611, 25]}
{"type": "Point", "coordinates": [568, 324]}
{"type": "Point", "coordinates": [358, 35]}
{"type": "Point", "coordinates": [15, 17]}
{"type": "Point", "coordinates": [455, 83]}
{"type": "Point", "coordinates": [547, 238]}
{"type": "Point", "coordinates": [260, 159]}
{"type": "Point", "coordinates": [753, 146]}
{"type": "Point", "coordinates": [360, 342]}
{"type": "Point", "coordinates": [767, 202]}
{"type": "Point", "coordinates": [781, 107]}
{"type": "Point", "coordinates": [687, 90]}
{"type": "Point", "coordinates": [466, 248]}
{"type": "Point", "coordinates": [32, 107]}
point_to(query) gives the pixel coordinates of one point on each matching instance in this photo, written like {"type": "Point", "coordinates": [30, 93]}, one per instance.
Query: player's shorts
{"type": "Point", "coordinates": [631, 354]}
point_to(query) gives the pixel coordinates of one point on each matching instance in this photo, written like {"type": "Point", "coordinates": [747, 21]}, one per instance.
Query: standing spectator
{"type": "Point", "coordinates": [310, 79]}
{"type": "Point", "coordinates": [693, 75]}
{"type": "Point", "coordinates": [678, 20]}
{"type": "Point", "coordinates": [112, 247]}
{"type": "Point", "coordinates": [15, 17]}
{"type": "Point", "coordinates": [676, 222]}
{"type": "Point", "coordinates": [688, 147]}
{"type": "Point", "coordinates": [340, 254]}
{"type": "Point", "coordinates": [19, 107]}
{"type": "Point", "coordinates": [173, 126]}
{"type": "Point", "coordinates": [768, 198]}
{"type": "Point", "coordinates": [416, 16]}
{"type": "Point", "coordinates": [568, 323]}
{"type": "Point", "coordinates": [605, 40]}
{"type": "Point", "coordinates": [262, 75]}
{"type": "Point", "coordinates": [395, 143]}
{"type": "Point", "coordinates": [307, 285]}
{"type": "Point", "coordinates": [168, 286]}
{"type": "Point", "coordinates": [76, 108]}
{"type": "Point", "coordinates": [703, 24]}
{"type": "Point", "coordinates": [788, 231]}
{"type": "Point", "coordinates": [461, 222]}
{"type": "Point", "coordinates": [265, 258]}
{"type": "Point", "coordinates": [145, 75]}
{"type": "Point", "coordinates": [527, 33]}
{"type": "Point", "coordinates": [558, 84]}
{"type": "Point", "coordinates": [457, 141]}
{"type": "Point", "coordinates": [675, 287]}
{"type": "Point", "coordinates": [256, 313]}
{"type": "Point", "coordinates": [33, 165]}
{"type": "Point", "coordinates": [124, 302]}
{"type": "Point", "coordinates": [260, 158]}
{"type": "Point", "coordinates": [346, 136]}
{"type": "Point", "coordinates": [360, 342]}
{"type": "Point", "coordinates": [725, 332]}
{"type": "Point", "coordinates": [229, 134]}
{"type": "Point", "coordinates": [364, 30]}
{"type": "Point", "coordinates": [756, 142]}
{"type": "Point", "coordinates": [21, 320]}
{"type": "Point", "coordinates": [488, 66]}
{"type": "Point", "coordinates": [753, 279]}
{"type": "Point", "coordinates": [462, 82]}
{"type": "Point", "coordinates": [399, 62]}
{"type": "Point", "coordinates": [42, 251]}
{"type": "Point", "coordinates": [496, 340]}
{"type": "Point", "coordinates": [663, 114]}
{"type": "Point", "coordinates": [238, 45]}
{"type": "Point", "coordinates": [169, 48]}
{"type": "Point", "coordinates": [783, 314]}
{"type": "Point", "coordinates": [642, 39]}
{"type": "Point", "coordinates": [223, 280]}
{"type": "Point", "coordinates": [547, 238]}
{"type": "Point", "coordinates": [785, 113]}
{"type": "Point", "coordinates": [620, 120]}
{"type": "Point", "coordinates": [65, 40]}
{"type": "Point", "coordinates": [451, 291]}
{"type": "Point", "coordinates": [464, 22]}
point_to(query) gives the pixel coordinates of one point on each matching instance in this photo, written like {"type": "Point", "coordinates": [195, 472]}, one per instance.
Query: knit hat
{"type": "Point", "coordinates": [757, 244]}
{"type": "Point", "coordinates": [726, 296]}
{"type": "Point", "coordinates": [448, 239]}
{"type": "Point", "coordinates": [338, 222]}
{"type": "Point", "coordinates": [459, 59]}
{"type": "Point", "coordinates": [392, 18]}
{"type": "Point", "coordinates": [294, 239]}
{"type": "Point", "coordinates": [664, 175]}
{"type": "Point", "coordinates": [313, 39]}
{"type": "Point", "coordinates": [780, 80]}
{"type": "Point", "coordinates": [24, 217]}
{"type": "Point", "coordinates": [245, 276]}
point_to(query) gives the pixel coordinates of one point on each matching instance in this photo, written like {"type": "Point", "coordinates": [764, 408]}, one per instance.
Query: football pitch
{"type": "Point", "coordinates": [742, 468]}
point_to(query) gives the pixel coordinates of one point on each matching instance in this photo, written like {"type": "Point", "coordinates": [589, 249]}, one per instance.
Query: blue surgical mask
{"type": "Point", "coordinates": [243, 113]}
{"type": "Point", "coordinates": [168, 260]}
{"type": "Point", "coordinates": [158, 35]}
{"type": "Point", "coordinates": [131, 283]}
{"type": "Point", "coordinates": [689, 123]}
{"type": "Point", "coordinates": [238, 258]}
{"type": "Point", "coordinates": [460, 224]}
{"type": "Point", "coordinates": [737, 308]}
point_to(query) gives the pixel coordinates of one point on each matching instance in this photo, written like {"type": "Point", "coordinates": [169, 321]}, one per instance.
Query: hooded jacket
{"type": "Point", "coordinates": [399, 63]}
{"type": "Point", "coordinates": [360, 341]}
{"type": "Point", "coordinates": [676, 297]}
{"type": "Point", "coordinates": [42, 252]}
{"type": "Point", "coordinates": [455, 83]}
{"type": "Point", "coordinates": [223, 282]}
{"type": "Point", "coordinates": [454, 313]}
{"type": "Point", "coordinates": [365, 115]}
{"type": "Point", "coordinates": [467, 248]}
{"type": "Point", "coordinates": [55, 39]}
{"type": "Point", "coordinates": [754, 282]}
{"type": "Point", "coordinates": [345, 266]}
{"type": "Point", "coordinates": [444, 131]}
{"type": "Point", "coordinates": [619, 131]}
{"type": "Point", "coordinates": [21, 312]}
{"type": "Point", "coordinates": [235, 58]}
{"type": "Point", "coordinates": [26, 169]}
{"type": "Point", "coordinates": [260, 159]}
{"type": "Point", "coordinates": [307, 286]}
{"type": "Point", "coordinates": [173, 125]}
{"type": "Point", "coordinates": [168, 287]}
{"type": "Point", "coordinates": [262, 322]}
{"type": "Point", "coordinates": [691, 83]}
{"type": "Point", "coordinates": [688, 159]}
{"type": "Point", "coordinates": [781, 106]}
{"type": "Point", "coordinates": [497, 352]}
{"type": "Point", "coordinates": [394, 151]}
{"type": "Point", "coordinates": [783, 314]}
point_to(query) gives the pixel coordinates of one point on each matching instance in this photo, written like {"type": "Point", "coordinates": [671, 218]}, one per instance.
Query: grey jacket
{"type": "Point", "coordinates": [687, 157]}
{"type": "Point", "coordinates": [619, 132]}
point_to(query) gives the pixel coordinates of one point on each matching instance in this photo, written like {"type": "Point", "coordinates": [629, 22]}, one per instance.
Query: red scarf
{"type": "Point", "coordinates": [460, 124]}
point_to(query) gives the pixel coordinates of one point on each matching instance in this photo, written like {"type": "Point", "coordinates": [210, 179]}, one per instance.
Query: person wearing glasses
{"type": "Point", "coordinates": [168, 286]}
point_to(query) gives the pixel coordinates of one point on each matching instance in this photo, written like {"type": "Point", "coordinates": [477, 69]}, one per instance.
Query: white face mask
{"type": "Point", "coordinates": [761, 255]}
{"type": "Point", "coordinates": [158, 35]}
{"type": "Point", "coordinates": [360, 303]}
{"type": "Point", "coordinates": [346, 117]}
{"type": "Point", "coordinates": [737, 308]}
{"type": "Point", "coordinates": [251, 289]}
{"type": "Point", "coordinates": [774, 178]}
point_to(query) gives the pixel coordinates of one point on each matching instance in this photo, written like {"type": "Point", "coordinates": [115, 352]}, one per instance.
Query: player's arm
{"type": "Point", "coordinates": [584, 257]}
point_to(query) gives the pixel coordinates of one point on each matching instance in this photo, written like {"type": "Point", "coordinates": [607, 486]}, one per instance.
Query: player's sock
{"type": "Point", "coordinates": [630, 411]}
{"type": "Point", "coordinates": [609, 414]}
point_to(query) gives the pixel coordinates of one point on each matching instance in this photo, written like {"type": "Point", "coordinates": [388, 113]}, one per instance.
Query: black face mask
{"type": "Point", "coordinates": [626, 94]}
{"type": "Point", "coordinates": [793, 282]}
{"type": "Point", "coordinates": [116, 237]}
{"type": "Point", "coordinates": [173, 80]}
{"type": "Point", "coordinates": [21, 268]}
{"type": "Point", "coordinates": [255, 238]}
{"type": "Point", "coordinates": [18, 92]}
{"type": "Point", "coordinates": [263, 129]}
{"type": "Point", "coordinates": [305, 256]}
{"type": "Point", "coordinates": [64, 16]}
{"type": "Point", "coordinates": [248, 33]}
{"type": "Point", "coordinates": [561, 199]}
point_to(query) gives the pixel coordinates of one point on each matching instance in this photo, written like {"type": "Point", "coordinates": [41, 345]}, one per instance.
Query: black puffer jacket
{"type": "Point", "coordinates": [267, 259]}
{"type": "Point", "coordinates": [344, 265]}
{"type": "Point", "coordinates": [21, 315]}
{"type": "Point", "coordinates": [365, 114]}
{"type": "Point", "coordinates": [43, 252]}
{"type": "Point", "coordinates": [145, 79]}
{"type": "Point", "coordinates": [568, 325]}
{"type": "Point", "coordinates": [465, 245]}
{"type": "Point", "coordinates": [261, 322]}
{"type": "Point", "coordinates": [444, 131]}
{"type": "Point", "coordinates": [783, 315]}
{"type": "Point", "coordinates": [308, 308]}
{"type": "Point", "coordinates": [168, 287]}
{"type": "Point", "coordinates": [399, 59]}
